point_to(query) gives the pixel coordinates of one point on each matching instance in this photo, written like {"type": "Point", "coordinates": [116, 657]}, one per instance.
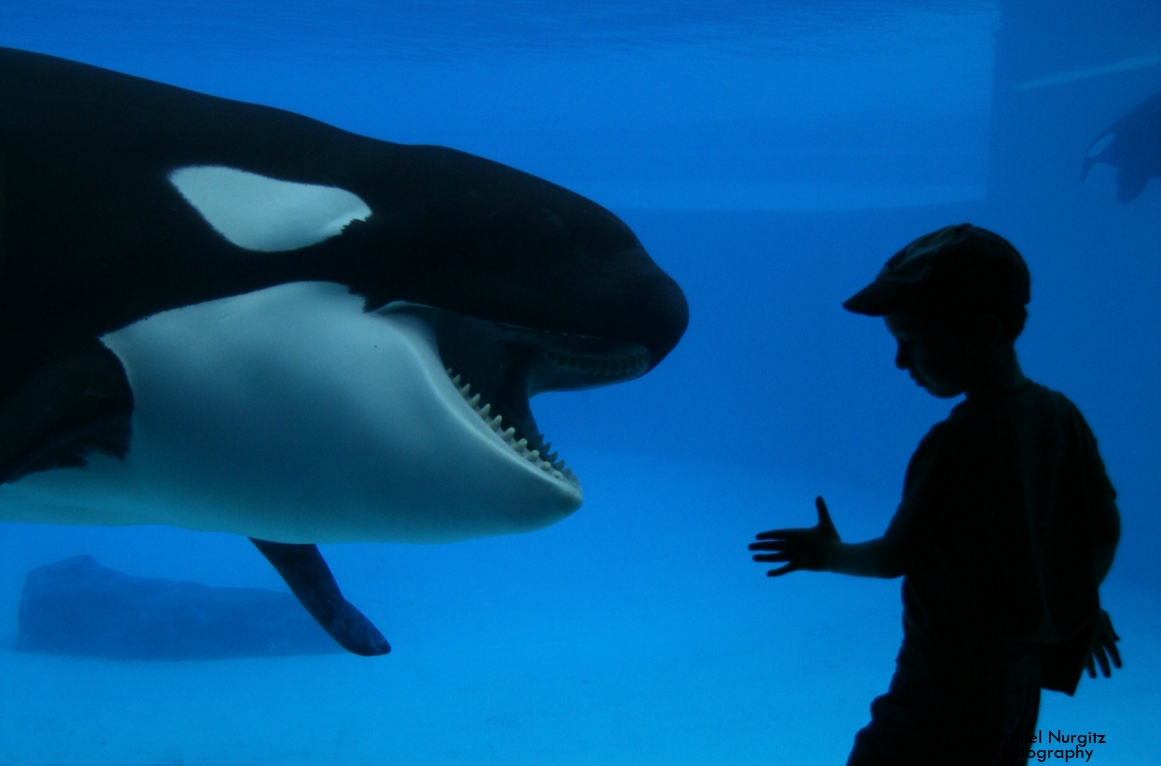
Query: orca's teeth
{"type": "Point", "coordinates": [624, 365]}
{"type": "Point", "coordinates": [542, 458]}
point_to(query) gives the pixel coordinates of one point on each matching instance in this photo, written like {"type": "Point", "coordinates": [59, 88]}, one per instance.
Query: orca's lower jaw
{"type": "Point", "coordinates": [498, 368]}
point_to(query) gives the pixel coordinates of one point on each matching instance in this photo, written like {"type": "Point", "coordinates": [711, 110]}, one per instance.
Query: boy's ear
{"type": "Point", "coordinates": [986, 329]}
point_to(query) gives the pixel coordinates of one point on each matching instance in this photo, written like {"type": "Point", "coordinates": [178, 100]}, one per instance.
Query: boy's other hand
{"type": "Point", "coordinates": [803, 548]}
{"type": "Point", "coordinates": [1104, 645]}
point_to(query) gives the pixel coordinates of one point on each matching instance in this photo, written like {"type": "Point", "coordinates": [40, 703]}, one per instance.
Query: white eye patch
{"type": "Point", "coordinates": [1101, 145]}
{"type": "Point", "coordinates": [259, 213]}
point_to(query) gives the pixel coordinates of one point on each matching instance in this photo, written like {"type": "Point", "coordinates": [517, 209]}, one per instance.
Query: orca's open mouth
{"type": "Point", "coordinates": [498, 368]}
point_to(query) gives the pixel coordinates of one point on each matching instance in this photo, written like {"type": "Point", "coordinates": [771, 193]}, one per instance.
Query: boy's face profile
{"type": "Point", "coordinates": [938, 358]}
{"type": "Point", "coordinates": [954, 302]}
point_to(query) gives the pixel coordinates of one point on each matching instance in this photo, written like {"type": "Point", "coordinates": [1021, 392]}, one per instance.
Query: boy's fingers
{"type": "Point", "coordinates": [825, 525]}
{"type": "Point", "coordinates": [773, 545]}
{"type": "Point", "coordinates": [1115, 653]}
{"type": "Point", "coordinates": [772, 557]}
{"type": "Point", "coordinates": [773, 534]}
{"type": "Point", "coordinates": [1102, 660]}
{"type": "Point", "coordinates": [1090, 667]}
{"type": "Point", "coordinates": [781, 571]}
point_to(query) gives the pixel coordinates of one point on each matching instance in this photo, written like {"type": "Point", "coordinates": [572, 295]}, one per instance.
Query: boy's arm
{"type": "Point", "coordinates": [820, 549]}
{"type": "Point", "coordinates": [873, 558]}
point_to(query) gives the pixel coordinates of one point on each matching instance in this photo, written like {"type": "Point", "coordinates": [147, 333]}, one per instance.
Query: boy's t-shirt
{"type": "Point", "coordinates": [1004, 506]}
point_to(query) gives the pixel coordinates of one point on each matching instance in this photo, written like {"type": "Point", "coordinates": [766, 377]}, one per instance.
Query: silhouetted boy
{"type": "Point", "coordinates": [1007, 525]}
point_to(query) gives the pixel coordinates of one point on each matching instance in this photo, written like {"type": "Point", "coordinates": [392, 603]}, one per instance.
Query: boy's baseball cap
{"type": "Point", "coordinates": [961, 264]}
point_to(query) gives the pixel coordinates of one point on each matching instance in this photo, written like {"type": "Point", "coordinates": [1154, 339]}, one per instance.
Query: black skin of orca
{"type": "Point", "coordinates": [93, 237]}
{"type": "Point", "coordinates": [1135, 150]}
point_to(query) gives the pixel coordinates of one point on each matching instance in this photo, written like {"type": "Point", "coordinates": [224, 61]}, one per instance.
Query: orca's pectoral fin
{"type": "Point", "coordinates": [71, 405]}
{"type": "Point", "coordinates": [311, 581]}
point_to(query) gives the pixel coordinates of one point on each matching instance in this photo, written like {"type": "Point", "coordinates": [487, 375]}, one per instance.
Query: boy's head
{"type": "Point", "coordinates": [954, 300]}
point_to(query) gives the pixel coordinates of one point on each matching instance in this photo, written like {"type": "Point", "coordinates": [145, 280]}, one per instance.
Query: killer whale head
{"type": "Point", "coordinates": [518, 285]}
{"type": "Point", "coordinates": [535, 288]}
{"type": "Point", "coordinates": [149, 220]}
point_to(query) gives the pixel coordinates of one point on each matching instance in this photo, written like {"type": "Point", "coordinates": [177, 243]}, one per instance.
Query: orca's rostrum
{"type": "Point", "coordinates": [223, 316]}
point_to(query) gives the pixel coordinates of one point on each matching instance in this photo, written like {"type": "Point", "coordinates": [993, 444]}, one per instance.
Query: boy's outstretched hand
{"type": "Point", "coordinates": [804, 548]}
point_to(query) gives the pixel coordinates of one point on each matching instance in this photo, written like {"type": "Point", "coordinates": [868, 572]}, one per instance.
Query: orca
{"type": "Point", "coordinates": [1132, 145]}
{"type": "Point", "coordinates": [228, 317]}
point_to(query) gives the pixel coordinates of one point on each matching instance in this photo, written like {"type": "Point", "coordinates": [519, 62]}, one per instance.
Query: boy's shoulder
{"type": "Point", "coordinates": [1030, 400]}
{"type": "Point", "coordinates": [988, 428]}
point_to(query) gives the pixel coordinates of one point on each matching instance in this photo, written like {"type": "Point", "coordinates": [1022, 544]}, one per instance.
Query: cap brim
{"type": "Point", "coordinates": [879, 298]}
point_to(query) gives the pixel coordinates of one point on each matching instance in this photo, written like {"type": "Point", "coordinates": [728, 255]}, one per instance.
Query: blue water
{"type": "Point", "coordinates": [770, 156]}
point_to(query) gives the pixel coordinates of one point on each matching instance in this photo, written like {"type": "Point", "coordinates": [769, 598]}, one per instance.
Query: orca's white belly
{"type": "Point", "coordinates": [291, 415]}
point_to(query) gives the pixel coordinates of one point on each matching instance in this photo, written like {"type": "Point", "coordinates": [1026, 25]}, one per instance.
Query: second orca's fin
{"type": "Point", "coordinates": [311, 581]}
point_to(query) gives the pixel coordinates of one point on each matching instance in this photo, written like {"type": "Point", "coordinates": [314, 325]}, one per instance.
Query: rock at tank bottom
{"type": "Point", "coordinates": [78, 607]}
